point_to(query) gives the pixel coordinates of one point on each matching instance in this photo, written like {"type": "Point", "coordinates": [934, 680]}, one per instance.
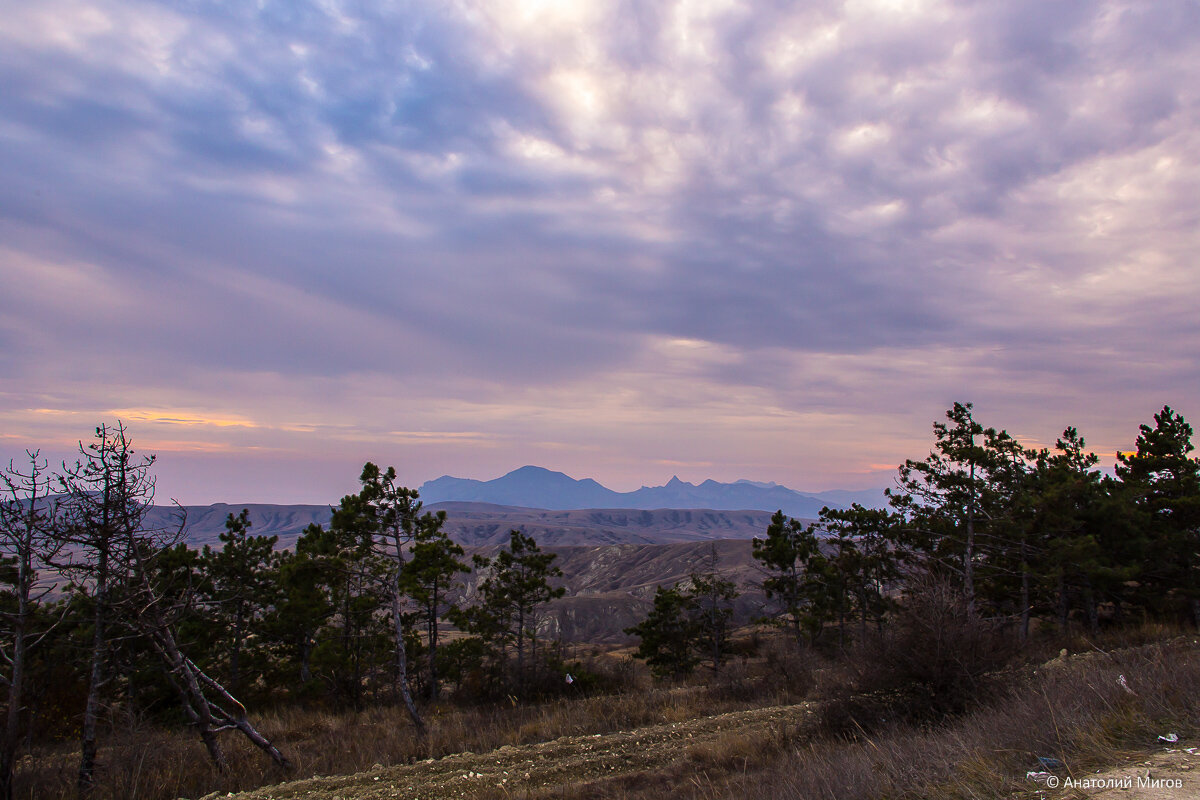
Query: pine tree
{"type": "Point", "coordinates": [429, 578]}
{"type": "Point", "coordinates": [161, 592]}
{"type": "Point", "coordinates": [1163, 483]}
{"type": "Point", "coordinates": [959, 507]}
{"type": "Point", "coordinates": [304, 603]}
{"type": "Point", "coordinates": [243, 581]}
{"type": "Point", "coordinates": [1008, 553]}
{"type": "Point", "coordinates": [712, 596]}
{"type": "Point", "coordinates": [515, 589]}
{"type": "Point", "coordinates": [864, 561]}
{"type": "Point", "coordinates": [354, 645]}
{"type": "Point", "coordinates": [669, 634]}
{"type": "Point", "coordinates": [941, 495]}
{"type": "Point", "coordinates": [688, 622]}
{"type": "Point", "coordinates": [391, 514]}
{"type": "Point", "coordinates": [791, 558]}
{"type": "Point", "coordinates": [1067, 522]}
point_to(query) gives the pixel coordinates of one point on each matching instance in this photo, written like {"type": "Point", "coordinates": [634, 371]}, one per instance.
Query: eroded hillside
{"type": "Point", "coordinates": [482, 524]}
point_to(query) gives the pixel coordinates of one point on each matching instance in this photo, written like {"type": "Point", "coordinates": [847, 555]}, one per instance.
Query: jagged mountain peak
{"type": "Point", "coordinates": [537, 487]}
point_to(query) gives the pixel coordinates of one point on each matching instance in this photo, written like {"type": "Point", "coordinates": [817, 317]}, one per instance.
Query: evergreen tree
{"type": "Point", "coordinates": [349, 649]}
{"type": "Point", "coordinates": [1163, 484]}
{"type": "Point", "coordinates": [1068, 518]}
{"type": "Point", "coordinates": [941, 495]}
{"type": "Point", "coordinates": [1008, 553]}
{"type": "Point", "coordinates": [958, 504]}
{"type": "Point", "coordinates": [161, 593]}
{"type": "Point", "coordinates": [304, 603]}
{"type": "Point", "coordinates": [864, 561]}
{"type": "Point", "coordinates": [516, 587]}
{"type": "Point", "coordinates": [429, 578]}
{"type": "Point", "coordinates": [669, 634]}
{"type": "Point", "coordinates": [711, 597]}
{"type": "Point", "coordinates": [688, 622]}
{"type": "Point", "coordinates": [791, 558]}
{"type": "Point", "coordinates": [243, 581]}
{"type": "Point", "coordinates": [390, 514]}
{"type": "Point", "coordinates": [179, 576]}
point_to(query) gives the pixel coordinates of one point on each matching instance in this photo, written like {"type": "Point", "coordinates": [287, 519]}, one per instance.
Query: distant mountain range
{"type": "Point", "coordinates": [554, 508]}
{"type": "Point", "coordinates": [537, 487]}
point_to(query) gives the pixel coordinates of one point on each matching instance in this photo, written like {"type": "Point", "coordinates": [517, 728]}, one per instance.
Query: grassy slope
{"type": "Point", "coordinates": [1074, 710]}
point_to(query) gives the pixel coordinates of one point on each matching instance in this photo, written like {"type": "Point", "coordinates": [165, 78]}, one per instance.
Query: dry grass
{"type": "Point", "coordinates": [1076, 712]}
{"type": "Point", "coordinates": [143, 762]}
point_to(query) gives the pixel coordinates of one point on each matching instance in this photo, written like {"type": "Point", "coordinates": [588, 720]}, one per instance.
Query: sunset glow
{"type": "Point", "coordinates": [705, 238]}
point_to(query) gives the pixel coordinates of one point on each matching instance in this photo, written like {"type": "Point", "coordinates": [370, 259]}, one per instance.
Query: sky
{"type": "Point", "coordinates": [625, 240]}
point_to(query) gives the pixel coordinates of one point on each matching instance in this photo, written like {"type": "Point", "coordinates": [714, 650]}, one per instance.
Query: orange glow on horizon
{"type": "Point", "coordinates": [180, 417]}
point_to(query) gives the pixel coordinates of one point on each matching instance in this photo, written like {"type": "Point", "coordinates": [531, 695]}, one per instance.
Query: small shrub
{"type": "Point", "coordinates": [936, 658]}
{"type": "Point", "coordinates": [792, 666]}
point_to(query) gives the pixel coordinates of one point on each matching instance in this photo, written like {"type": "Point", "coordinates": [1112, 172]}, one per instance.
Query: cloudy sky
{"type": "Point", "coordinates": [625, 240]}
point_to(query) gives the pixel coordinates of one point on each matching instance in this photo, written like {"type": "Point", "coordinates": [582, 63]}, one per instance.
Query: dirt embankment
{"type": "Point", "coordinates": [568, 760]}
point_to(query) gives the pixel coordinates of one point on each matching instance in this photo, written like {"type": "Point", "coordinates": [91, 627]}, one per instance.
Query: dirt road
{"type": "Point", "coordinates": [1173, 774]}
{"type": "Point", "coordinates": [570, 759]}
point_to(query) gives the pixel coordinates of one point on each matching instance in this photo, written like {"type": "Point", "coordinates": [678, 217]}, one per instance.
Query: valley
{"type": "Point", "coordinates": [612, 559]}
{"type": "Point", "coordinates": [484, 524]}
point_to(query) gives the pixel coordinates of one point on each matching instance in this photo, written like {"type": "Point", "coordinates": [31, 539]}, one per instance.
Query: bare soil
{"type": "Point", "coordinates": [1173, 774]}
{"type": "Point", "coordinates": [565, 761]}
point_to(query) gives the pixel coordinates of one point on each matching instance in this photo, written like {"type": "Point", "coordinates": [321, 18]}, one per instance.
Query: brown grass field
{"type": "Point", "coordinates": [772, 724]}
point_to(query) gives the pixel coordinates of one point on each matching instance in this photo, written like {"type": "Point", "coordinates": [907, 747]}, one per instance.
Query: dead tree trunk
{"type": "Point", "coordinates": [28, 534]}
{"type": "Point", "coordinates": [210, 717]}
{"type": "Point", "coordinates": [191, 697]}
{"type": "Point", "coordinates": [85, 777]}
{"type": "Point", "coordinates": [238, 718]}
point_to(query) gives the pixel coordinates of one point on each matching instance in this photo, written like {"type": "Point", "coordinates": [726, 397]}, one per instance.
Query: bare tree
{"type": "Point", "coordinates": [27, 541]}
{"type": "Point", "coordinates": [109, 492]}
